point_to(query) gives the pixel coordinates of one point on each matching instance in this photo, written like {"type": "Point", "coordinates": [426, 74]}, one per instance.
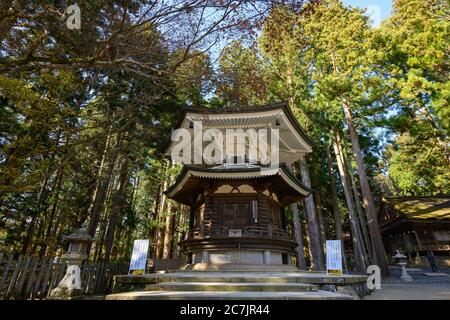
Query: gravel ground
{"type": "Point", "coordinates": [423, 287]}
{"type": "Point", "coordinates": [412, 291]}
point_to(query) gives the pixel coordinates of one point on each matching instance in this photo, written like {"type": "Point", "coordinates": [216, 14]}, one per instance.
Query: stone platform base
{"type": "Point", "coordinates": [184, 284]}
{"type": "Point", "coordinates": [239, 267]}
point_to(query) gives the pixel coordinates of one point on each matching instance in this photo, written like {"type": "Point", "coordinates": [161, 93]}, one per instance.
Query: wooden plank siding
{"type": "Point", "coordinates": [33, 277]}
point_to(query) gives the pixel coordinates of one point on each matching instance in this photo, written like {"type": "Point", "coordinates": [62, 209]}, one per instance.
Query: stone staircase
{"type": "Point", "coordinates": [230, 286]}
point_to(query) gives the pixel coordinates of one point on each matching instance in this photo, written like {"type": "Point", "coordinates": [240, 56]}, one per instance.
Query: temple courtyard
{"type": "Point", "coordinates": [412, 291]}
{"type": "Point", "coordinates": [425, 286]}
{"type": "Point", "coordinates": [182, 285]}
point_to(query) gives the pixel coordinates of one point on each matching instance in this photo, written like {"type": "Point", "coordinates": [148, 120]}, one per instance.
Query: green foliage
{"type": "Point", "coordinates": [417, 38]}
{"type": "Point", "coordinates": [242, 76]}
{"type": "Point", "coordinates": [69, 137]}
{"type": "Point", "coordinates": [194, 78]}
{"type": "Point", "coordinates": [418, 166]}
{"type": "Point", "coordinates": [84, 115]}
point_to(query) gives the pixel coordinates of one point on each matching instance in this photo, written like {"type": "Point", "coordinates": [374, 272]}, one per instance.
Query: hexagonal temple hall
{"type": "Point", "coordinates": [237, 207]}
{"type": "Point", "coordinates": [238, 238]}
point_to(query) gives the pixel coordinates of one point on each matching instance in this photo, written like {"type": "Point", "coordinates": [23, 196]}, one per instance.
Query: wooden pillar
{"type": "Point", "coordinates": [419, 243]}
{"type": "Point", "coordinates": [211, 211]}
{"type": "Point", "coordinates": [191, 217]}
{"type": "Point", "coordinates": [264, 218]}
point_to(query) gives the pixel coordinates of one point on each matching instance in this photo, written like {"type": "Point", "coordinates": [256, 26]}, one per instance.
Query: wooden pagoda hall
{"type": "Point", "coordinates": [239, 244]}
{"type": "Point", "coordinates": [237, 209]}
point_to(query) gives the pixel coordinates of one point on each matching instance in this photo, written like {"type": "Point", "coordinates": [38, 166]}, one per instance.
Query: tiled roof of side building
{"type": "Point", "coordinates": [421, 208]}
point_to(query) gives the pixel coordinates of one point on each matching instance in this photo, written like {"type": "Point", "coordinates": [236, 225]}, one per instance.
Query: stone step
{"type": "Point", "coordinates": [319, 278]}
{"type": "Point", "coordinates": [268, 278]}
{"type": "Point", "coordinates": [224, 295]}
{"type": "Point", "coordinates": [217, 278]}
{"type": "Point", "coordinates": [232, 286]}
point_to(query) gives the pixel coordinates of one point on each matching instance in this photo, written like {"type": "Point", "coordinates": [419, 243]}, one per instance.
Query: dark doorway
{"type": "Point", "coordinates": [284, 258]}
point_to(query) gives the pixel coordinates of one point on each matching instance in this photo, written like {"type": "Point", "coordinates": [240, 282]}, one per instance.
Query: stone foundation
{"type": "Point", "coordinates": [353, 286]}
{"type": "Point", "coordinates": [259, 257]}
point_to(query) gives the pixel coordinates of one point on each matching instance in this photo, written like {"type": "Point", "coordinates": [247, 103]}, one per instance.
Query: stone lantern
{"type": "Point", "coordinates": [400, 258]}
{"type": "Point", "coordinates": [70, 285]}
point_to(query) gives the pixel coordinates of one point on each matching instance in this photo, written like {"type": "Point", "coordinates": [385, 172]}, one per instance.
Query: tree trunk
{"type": "Point", "coordinates": [439, 134]}
{"type": "Point", "coordinates": [179, 229]}
{"type": "Point", "coordinates": [104, 176]}
{"type": "Point", "coordinates": [298, 235]}
{"type": "Point", "coordinates": [27, 241]}
{"type": "Point", "coordinates": [153, 234]}
{"type": "Point", "coordinates": [160, 225]}
{"type": "Point", "coordinates": [317, 257]}
{"type": "Point", "coordinates": [168, 234]}
{"type": "Point", "coordinates": [334, 197]}
{"type": "Point", "coordinates": [336, 212]}
{"type": "Point", "coordinates": [50, 225]}
{"type": "Point", "coordinates": [380, 255]}
{"type": "Point", "coordinates": [93, 210]}
{"type": "Point", "coordinates": [35, 213]}
{"type": "Point", "coordinates": [360, 211]}
{"type": "Point", "coordinates": [301, 261]}
{"type": "Point", "coordinates": [321, 221]}
{"type": "Point", "coordinates": [117, 205]}
{"type": "Point", "coordinates": [98, 245]}
{"type": "Point", "coordinates": [357, 245]}
{"type": "Point", "coordinates": [128, 244]}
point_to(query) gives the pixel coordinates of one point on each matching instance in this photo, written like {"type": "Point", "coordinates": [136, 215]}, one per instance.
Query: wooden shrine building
{"type": "Point", "coordinates": [237, 208]}
{"type": "Point", "coordinates": [417, 225]}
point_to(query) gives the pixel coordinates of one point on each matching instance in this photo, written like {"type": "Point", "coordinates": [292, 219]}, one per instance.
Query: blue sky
{"type": "Point", "coordinates": [379, 9]}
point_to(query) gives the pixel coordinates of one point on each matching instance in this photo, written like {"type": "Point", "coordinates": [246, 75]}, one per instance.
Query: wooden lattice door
{"type": "Point", "coordinates": [235, 215]}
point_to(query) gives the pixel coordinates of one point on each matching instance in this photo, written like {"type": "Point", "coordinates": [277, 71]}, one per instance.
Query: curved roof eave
{"type": "Point", "coordinates": [285, 173]}
{"type": "Point", "coordinates": [268, 107]}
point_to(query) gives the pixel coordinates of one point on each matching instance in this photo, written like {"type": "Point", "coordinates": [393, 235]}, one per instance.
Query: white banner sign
{"type": "Point", "coordinates": [334, 257]}
{"type": "Point", "coordinates": [139, 256]}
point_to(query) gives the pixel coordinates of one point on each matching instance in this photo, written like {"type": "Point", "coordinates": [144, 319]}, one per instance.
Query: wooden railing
{"type": "Point", "coordinates": [432, 247]}
{"type": "Point", "coordinates": [268, 232]}
{"type": "Point", "coordinates": [194, 234]}
{"type": "Point", "coordinates": [164, 264]}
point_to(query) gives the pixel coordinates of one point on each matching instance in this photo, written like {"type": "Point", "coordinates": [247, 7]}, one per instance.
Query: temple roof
{"type": "Point", "coordinates": [421, 207]}
{"type": "Point", "coordinates": [293, 140]}
{"type": "Point", "coordinates": [280, 178]}
{"type": "Point", "coordinates": [415, 209]}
